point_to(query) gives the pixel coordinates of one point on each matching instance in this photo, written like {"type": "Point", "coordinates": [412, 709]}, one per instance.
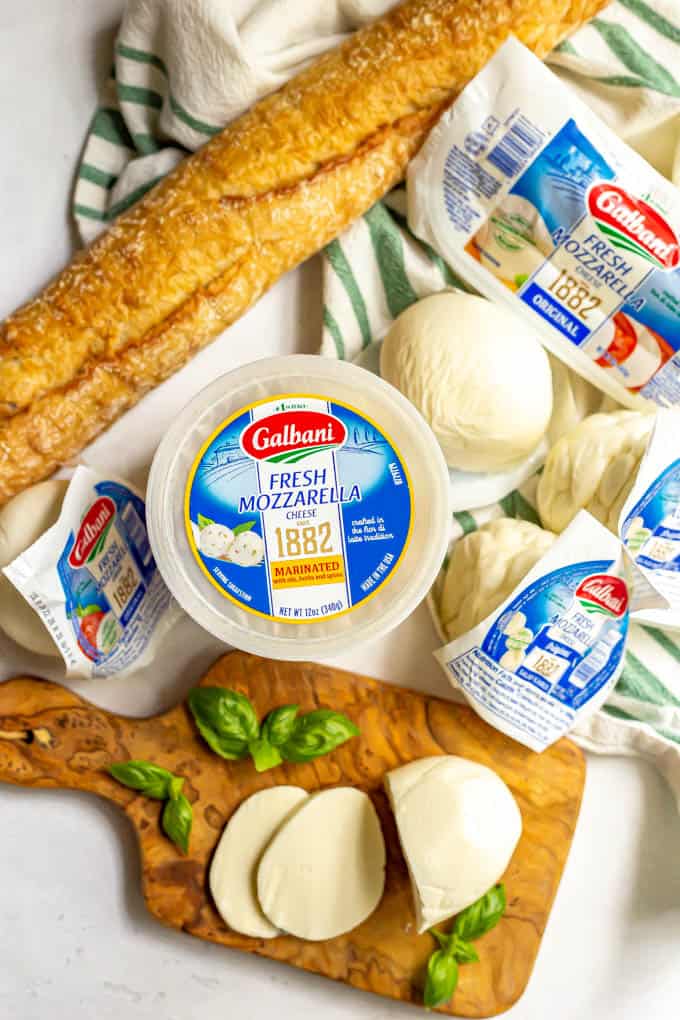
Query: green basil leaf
{"type": "Point", "coordinates": [175, 787]}
{"type": "Point", "coordinates": [317, 733]}
{"type": "Point", "coordinates": [203, 522]}
{"type": "Point", "coordinates": [246, 526]}
{"type": "Point", "coordinates": [265, 755]}
{"type": "Point", "coordinates": [278, 727]}
{"type": "Point", "coordinates": [482, 915]}
{"type": "Point", "coordinates": [225, 719]}
{"type": "Point", "coordinates": [464, 951]}
{"type": "Point", "coordinates": [441, 980]}
{"type": "Point", "coordinates": [445, 941]}
{"type": "Point", "coordinates": [176, 821]}
{"type": "Point", "coordinates": [151, 780]}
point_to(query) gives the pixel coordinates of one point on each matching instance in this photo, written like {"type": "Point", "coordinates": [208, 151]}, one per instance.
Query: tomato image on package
{"type": "Point", "coordinates": [298, 508]}
{"type": "Point", "coordinates": [536, 202]}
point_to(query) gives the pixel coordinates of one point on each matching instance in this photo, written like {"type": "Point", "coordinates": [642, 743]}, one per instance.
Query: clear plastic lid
{"type": "Point", "coordinates": [368, 481]}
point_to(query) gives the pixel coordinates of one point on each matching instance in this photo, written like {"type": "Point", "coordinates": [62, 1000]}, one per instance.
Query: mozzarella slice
{"type": "Point", "coordinates": [234, 866]}
{"type": "Point", "coordinates": [458, 826]}
{"type": "Point", "coordinates": [324, 871]}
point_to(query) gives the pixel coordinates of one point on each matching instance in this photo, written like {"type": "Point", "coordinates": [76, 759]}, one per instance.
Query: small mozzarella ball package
{"type": "Point", "coordinates": [649, 520]}
{"type": "Point", "coordinates": [85, 574]}
{"type": "Point", "coordinates": [549, 650]}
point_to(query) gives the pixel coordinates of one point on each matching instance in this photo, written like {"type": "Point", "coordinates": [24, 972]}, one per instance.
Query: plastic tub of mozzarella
{"type": "Point", "coordinates": [298, 506]}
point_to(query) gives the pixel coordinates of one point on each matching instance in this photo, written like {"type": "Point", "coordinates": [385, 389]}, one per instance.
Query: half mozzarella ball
{"type": "Point", "coordinates": [458, 825]}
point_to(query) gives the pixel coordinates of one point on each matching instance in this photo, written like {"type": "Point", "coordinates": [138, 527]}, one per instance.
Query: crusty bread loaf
{"type": "Point", "coordinates": [273, 188]}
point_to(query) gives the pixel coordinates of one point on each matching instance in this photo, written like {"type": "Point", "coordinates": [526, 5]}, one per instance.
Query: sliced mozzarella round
{"type": "Point", "coordinates": [458, 825]}
{"type": "Point", "coordinates": [324, 871]}
{"type": "Point", "coordinates": [234, 866]}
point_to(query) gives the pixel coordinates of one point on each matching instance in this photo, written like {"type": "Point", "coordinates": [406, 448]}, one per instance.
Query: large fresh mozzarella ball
{"type": "Point", "coordinates": [324, 871]}
{"type": "Point", "coordinates": [216, 540]}
{"type": "Point", "coordinates": [458, 826]}
{"type": "Point", "coordinates": [593, 467]}
{"type": "Point", "coordinates": [477, 375]}
{"type": "Point", "coordinates": [22, 521]}
{"type": "Point", "coordinates": [247, 550]}
{"type": "Point", "coordinates": [485, 567]}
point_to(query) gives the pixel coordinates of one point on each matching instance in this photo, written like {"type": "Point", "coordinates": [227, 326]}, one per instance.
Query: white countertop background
{"type": "Point", "coordinates": [75, 940]}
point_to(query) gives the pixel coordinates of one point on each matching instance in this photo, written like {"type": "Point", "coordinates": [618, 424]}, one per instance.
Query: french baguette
{"type": "Point", "coordinates": [258, 199]}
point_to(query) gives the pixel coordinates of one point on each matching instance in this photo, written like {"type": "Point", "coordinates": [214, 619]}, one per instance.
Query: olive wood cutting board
{"type": "Point", "coordinates": [50, 737]}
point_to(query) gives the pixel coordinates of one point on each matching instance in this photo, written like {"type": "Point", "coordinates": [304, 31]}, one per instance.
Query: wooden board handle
{"type": "Point", "coordinates": [51, 737]}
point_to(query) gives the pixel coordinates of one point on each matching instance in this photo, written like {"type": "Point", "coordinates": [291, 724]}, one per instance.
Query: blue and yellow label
{"type": "Point", "coordinates": [298, 508]}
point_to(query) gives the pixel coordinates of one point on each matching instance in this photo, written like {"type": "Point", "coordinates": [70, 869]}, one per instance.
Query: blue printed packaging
{"type": "Point", "coordinates": [649, 525]}
{"type": "Point", "coordinates": [93, 580]}
{"type": "Point", "coordinates": [549, 654]}
{"type": "Point", "coordinates": [535, 203]}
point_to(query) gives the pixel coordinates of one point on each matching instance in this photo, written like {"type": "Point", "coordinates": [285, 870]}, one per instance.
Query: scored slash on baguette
{"type": "Point", "coordinates": [269, 191]}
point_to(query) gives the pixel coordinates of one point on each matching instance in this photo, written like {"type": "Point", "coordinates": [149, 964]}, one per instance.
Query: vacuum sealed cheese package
{"type": "Point", "coordinates": [649, 524]}
{"type": "Point", "coordinates": [536, 203]}
{"type": "Point", "coordinates": [92, 579]}
{"type": "Point", "coordinates": [552, 651]}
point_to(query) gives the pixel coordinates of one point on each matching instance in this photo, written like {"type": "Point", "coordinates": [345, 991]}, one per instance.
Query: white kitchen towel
{"type": "Point", "coordinates": [184, 68]}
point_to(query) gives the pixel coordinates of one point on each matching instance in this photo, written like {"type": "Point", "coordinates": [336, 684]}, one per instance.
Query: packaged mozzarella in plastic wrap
{"type": "Point", "coordinates": [649, 525]}
{"type": "Point", "coordinates": [550, 653]}
{"type": "Point", "coordinates": [93, 581]}
{"type": "Point", "coordinates": [536, 203]}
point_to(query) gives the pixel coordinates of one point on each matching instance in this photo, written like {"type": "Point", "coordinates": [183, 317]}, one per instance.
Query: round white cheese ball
{"type": "Point", "coordinates": [22, 521]}
{"type": "Point", "coordinates": [458, 826]}
{"type": "Point", "coordinates": [593, 467]}
{"type": "Point", "coordinates": [485, 567]}
{"type": "Point", "coordinates": [477, 375]}
{"type": "Point", "coordinates": [216, 540]}
{"type": "Point", "coordinates": [247, 550]}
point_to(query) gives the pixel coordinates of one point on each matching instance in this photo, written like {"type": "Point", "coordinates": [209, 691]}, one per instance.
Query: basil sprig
{"type": "Point", "coordinates": [226, 720]}
{"type": "Point", "coordinates": [229, 725]}
{"type": "Point", "coordinates": [455, 947]}
{"type": "Point", "coordinates": [156, 782]}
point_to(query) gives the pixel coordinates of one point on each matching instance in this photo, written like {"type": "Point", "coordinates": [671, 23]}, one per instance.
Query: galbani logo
{"type": "Point", "coordinates": [634, 225]}
{"type": "Point", "coordinates": [290, 436]}
{"type": "Point", "coordinates": [93, 528]}
{"type": "Point", "coordinates": [603, 593]}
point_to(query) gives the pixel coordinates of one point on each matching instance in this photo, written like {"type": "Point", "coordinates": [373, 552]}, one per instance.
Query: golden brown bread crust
{"type": "Point", "coordinates": [258, 199]}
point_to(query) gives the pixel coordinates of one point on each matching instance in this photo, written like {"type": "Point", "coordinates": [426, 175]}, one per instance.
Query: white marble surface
{"type": "Point", "coordinates": [75, 941]}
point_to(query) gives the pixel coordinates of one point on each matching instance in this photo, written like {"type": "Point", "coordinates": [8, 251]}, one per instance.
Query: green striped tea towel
{"type": "Point", "coordinates": [183, 68]}
{"type": "Point", "coordinates": [622, 65]}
